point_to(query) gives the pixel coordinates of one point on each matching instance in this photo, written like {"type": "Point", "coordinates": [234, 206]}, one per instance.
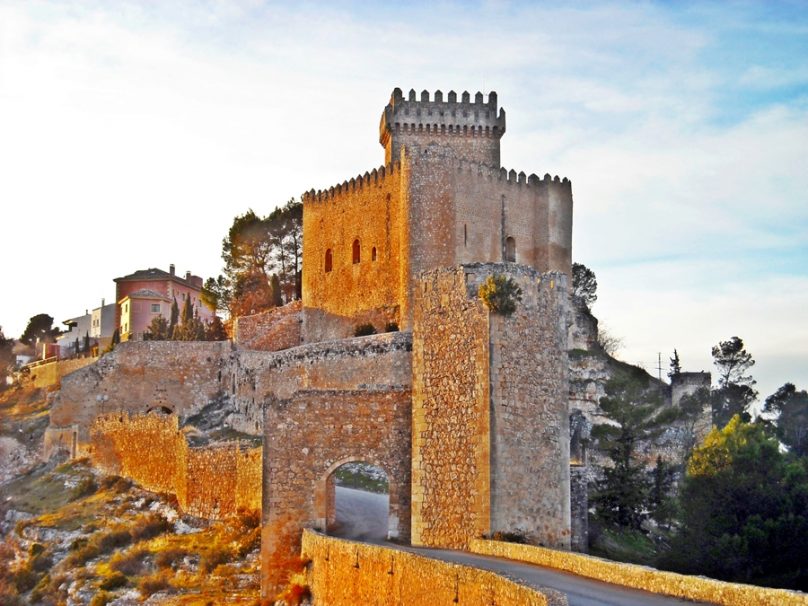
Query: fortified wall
{"type": "Point", "coordinates": [489, 409]}
{"type": "Point", "coordinates": [210, 481]}
{"type": "Point", "coordinates": [440, 200]}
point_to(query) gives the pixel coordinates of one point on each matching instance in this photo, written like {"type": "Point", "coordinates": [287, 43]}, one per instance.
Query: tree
{"type": "Point", "coordinates": [735, 392]}
{"type": "Point", "coordinates": [40, 327]}
{"type": "Point", "coordinates": [158, 329]}
{"type": "Point", "coordinates": [791, 407]}
{"type": "Point", "coordinates": [732, 361]}
{"type": "Point", "coordinates": [692, 406]}
{"type": "Point", "coordinates": [584, 284]}
{"type": "Point", "coordinates": [675, 369]}
{"type": "Point", "coordinates": [286, 237]}
{"type": "Point", "coordinates": [217, 293]}
{"type": "Point", "coordinates": [86, 341]}
{"type": "Point", "coordinates": [215, 330]}
{"type": "Point", "coordinates": [6, 358]}
{"type": "Point", "coordinates": [636, 409]}
{"type": "Point", "coordinates": [277, 293]}
{"type": "Point", "coordinates": [744, 510]}
{"type": "Point", "coordinates": [661, 503]}
{"type": "Point", "coordinates": [173, 319]}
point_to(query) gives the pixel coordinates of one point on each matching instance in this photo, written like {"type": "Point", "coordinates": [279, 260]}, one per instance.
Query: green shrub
{"type": "Point", "coordinates": [500, 294]}
{"type": "Point", "coordinates": [169, 557]}
{"type": "Point", "coordinates": [113, 581]}
{"type": "Point", "coordinates": [102, 598]}
{"type": "Point", "coordinates": [131, 563]}
{"type": "Point", "coordinates": [218, 554]}
{"type": "Point", "coordinates": [85, 488]}
{"type": "Point", "coordinates": [153, 583]}
{"type": "Point", "coordinates": [148, 527]}
{"type": "Point", "coordinates": [363, 330]}
{"type": "Point", "coordinates": [25, 578]}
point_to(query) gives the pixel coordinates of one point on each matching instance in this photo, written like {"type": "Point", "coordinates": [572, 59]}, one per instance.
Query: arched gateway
{"type": "Point", "coordinates": [308, 437]}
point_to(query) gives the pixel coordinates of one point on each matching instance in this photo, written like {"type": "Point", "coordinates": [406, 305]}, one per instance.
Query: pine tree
{"type": "Point", "coordinates": [675, 369]}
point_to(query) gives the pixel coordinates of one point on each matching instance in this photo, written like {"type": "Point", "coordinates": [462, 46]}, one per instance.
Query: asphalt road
{"type": "Point", "coordinates": [362, 516]}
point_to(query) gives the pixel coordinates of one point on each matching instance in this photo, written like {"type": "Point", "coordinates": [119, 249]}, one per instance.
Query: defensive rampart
{"type": "Point", "coordinates": [308, 437]}
{"type": "Point", "coordinates": [344, 573]}
{"type": "Point", "coordinates": [210, 482]}
{"type": "Point", "coordinates": [642, 577]}
{"type": "Point", "coordinates": [490, 419]}
{"type": "Point", "coordinates": [48, 374]}
{"type": "Point", "coordinates": [273, 330]}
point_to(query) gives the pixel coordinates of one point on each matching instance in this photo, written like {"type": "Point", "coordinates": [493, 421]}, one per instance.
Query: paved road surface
{"type": "Point", "coordinates": [363, 516]}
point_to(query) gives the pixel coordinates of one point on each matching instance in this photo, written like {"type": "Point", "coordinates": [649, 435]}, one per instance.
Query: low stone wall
{"type": "Point", "coordinates": [272, 330]}
{"type": "Point", "coordinates": [51, 373]}
{"type": "Point", "coordinates": [347, 573]}
{"type": "Point", "coordinates": [210, 482]}
{"type": "Point", "coordinates": [642, 577]}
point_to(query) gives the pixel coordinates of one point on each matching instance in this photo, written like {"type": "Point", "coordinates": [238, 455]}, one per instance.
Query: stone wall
{"type": "Point", "coordinates": [643, 577]}
{"type": "Point", "coordinates": [579, 509]}
{"type": "Point", "coordinates": [491, 429]}
{"type": "Point", "coordinates": [366, 209]}
{"type": "Point", "coordinates": [50, 374]}
{"type": "Point", "coordinates": [272, 330]}
{"type": "Point", "coordinates": [530, 489]}
{"type": "Point", "coordinates": [309, 436]}
{"type": "Point", "coordinates": [451, 474]}
{"type": "Point", "coordinates": [344, 573]}
{"type": "Point", "coordinates": [210, 482]}
{"type": "Point", "coordinates": [137, 377]}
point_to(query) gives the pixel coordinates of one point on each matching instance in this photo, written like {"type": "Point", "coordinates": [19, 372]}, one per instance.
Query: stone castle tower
{"type": "Point", "coordinates": [440, 200]}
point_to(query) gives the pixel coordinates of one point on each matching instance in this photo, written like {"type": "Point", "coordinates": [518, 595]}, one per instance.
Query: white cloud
{"type": "Point", "coordinates": [133, 134]}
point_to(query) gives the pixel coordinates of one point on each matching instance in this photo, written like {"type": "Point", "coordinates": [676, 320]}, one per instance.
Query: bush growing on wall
{"type": "Point", "coordinates": [500, 294]}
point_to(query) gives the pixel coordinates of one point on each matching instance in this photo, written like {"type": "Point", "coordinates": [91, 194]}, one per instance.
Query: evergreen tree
{"type": "Point", "coordinates": [40, 327]}
{"type": "Point", "coordinates": [744, 511]}
{"type": "Point", "coordinates": [636, 408]}
{"type": "Point", "coordinates": [86, 342]}
{"type": "Point", "coordinates": [661, 503]}
{"type": "Point", "coordinates": [173, 319]}
{"type": "Point", "coordinates": [277, 294]}
{"type": "Point", "coordinates": [216, 330]}
{"type": "Point", "coordinates": [584, 284]}
{"type": "Point", "coordinates": [158, 329]}
{"type": "Point", "coordinates": [791, 407]}
{"type": "Point", "coordinates": [675, 369]}
{"type": "Point", "coordinates": [735, 393]}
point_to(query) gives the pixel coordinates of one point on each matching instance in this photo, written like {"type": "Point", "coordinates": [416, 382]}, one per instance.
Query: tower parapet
{"type": "Point", "coordinates": [472, 129]}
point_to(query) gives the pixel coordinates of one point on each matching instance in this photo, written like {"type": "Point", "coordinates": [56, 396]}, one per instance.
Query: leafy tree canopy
{"type": "Point", "coordinates": [744, 510]}
{"type": "Point", "coordinates": [584, 284]}
{"type": "Point", "coordinates": [791, 407]}
{"type": "Point", "coordinates": [40, 327]}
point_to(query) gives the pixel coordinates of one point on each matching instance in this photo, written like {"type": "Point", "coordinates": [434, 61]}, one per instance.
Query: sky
{"type": "Point", "coordinates": [132, 133]}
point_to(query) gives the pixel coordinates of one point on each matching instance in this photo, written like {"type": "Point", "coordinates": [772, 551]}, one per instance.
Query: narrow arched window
{"type": "Point", "coordinates": [329, 260]}
{"type": "Point", "coordinates": [356, 251]}
{"type": "Point", "coordinates": [373, 254]}
{"type": "Point", "coordinates": [465, 235]}
{"type": "Point", "coordinates": [510, 250]}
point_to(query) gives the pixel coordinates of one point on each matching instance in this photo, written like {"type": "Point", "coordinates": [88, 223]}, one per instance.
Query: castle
{"type": "Point", "coordinates": [465, 409]}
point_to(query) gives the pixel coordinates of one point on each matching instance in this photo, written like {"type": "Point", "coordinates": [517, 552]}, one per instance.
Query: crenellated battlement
{"type": "Point", "coordinates": [414, 120]}
{"type": "Point", "coordinates": [492, 173]}
{"type": "Point", "coordinates": [374, 177]}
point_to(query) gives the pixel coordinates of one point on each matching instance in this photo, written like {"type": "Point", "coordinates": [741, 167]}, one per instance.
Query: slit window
{"type": "Point", "coordinates": [329, 260]}
{"type": "Point", "coordinates": [373, 254]}
{"type": "Point", "coordinates": [510, 250]}
{"type": "Point", "coordinates": [356, 252]}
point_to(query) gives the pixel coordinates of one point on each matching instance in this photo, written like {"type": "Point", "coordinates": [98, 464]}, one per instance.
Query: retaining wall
{"type": "Point", "coordinates": [347, 573]}
{"type": "Point", "coordinates": [210, 482]}
{"type": "Point", "coordinates": [643, 577]}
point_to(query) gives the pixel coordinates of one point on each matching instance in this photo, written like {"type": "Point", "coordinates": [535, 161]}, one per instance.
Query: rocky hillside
{"type": "Point", "coordinates": [69, 535]}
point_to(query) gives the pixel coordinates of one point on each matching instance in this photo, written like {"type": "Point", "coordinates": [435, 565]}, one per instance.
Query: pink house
{"type": "Point", "coordinates": [151, 292]}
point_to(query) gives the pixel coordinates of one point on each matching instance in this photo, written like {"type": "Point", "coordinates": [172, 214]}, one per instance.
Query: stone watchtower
{"type": "Point", "coordinates": [442, 199]}
{"type": "Point", "coordinates": [471, 129]}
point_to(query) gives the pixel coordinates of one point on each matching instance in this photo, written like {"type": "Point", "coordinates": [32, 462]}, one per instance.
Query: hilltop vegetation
{"type": "Point", "coordinates": [70, 533]}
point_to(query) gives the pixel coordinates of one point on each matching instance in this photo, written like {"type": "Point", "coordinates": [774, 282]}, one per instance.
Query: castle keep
{"type": "Point", "coordinates": [465, 409]}
{"type": "Point", "coordinates": [441, 199]}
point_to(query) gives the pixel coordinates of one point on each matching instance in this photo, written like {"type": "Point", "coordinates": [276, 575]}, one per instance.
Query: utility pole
{"type": "Point", "coordinates": [659, 365]}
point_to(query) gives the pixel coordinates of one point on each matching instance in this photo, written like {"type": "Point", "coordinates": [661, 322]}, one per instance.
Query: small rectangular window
{"type": "Point", "coordinates": [155, 307]}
